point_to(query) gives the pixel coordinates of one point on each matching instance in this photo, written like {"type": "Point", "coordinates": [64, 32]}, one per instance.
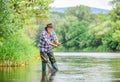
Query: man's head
{"type": "Point", "coordinates": [49, 28]}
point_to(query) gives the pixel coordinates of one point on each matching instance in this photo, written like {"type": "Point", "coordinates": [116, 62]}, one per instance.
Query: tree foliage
{"type": "Point", "coordinates": [18, 22]}
{"type": "Point", "coordinates": [96, 31]}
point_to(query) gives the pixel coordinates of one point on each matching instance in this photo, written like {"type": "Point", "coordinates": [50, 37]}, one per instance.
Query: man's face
{"type": "Point", "coordinates": [49, 30]}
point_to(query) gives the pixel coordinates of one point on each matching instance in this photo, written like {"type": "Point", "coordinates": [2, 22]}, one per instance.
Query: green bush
{"type": "Point", "coordinates": [17, 48]}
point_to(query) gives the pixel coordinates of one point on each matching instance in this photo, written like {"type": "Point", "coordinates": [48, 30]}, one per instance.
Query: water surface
{"type": "Point", "coordinates": [73, 67]}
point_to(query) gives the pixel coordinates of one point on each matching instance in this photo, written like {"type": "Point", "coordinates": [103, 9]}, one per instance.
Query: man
{"type": "Point", "coordinates": [48, 36]}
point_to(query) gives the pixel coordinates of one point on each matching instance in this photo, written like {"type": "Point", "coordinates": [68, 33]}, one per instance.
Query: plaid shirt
{"type": "Point", "coordinates": [45, 41]}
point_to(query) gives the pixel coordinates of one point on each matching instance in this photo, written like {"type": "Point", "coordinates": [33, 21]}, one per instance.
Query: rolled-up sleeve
{"type": "Point", "coordinates": [54, 36]}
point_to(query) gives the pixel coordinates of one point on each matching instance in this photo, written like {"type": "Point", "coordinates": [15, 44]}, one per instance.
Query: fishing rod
{"type": "Point", "coordinates": [71, 38]}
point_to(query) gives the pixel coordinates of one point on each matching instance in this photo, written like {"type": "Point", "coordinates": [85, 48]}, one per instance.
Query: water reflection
{"type": "Point", "coordinates": [13, 74]}
{"type": "Point", "coordinates": [47, 77]}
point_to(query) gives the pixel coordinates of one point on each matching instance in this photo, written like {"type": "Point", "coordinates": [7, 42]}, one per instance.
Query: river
{"type": "Point", "coordinates": [73, 67]}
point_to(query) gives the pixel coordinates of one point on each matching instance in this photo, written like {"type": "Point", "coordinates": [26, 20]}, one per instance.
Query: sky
{"type": "Point", "coordinates": [103, 4]}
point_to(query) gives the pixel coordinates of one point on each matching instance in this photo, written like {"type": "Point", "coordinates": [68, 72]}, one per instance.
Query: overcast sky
{"type": "Point", "coordinates": [103, 4]}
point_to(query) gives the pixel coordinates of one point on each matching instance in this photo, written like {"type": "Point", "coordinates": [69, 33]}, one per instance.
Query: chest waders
{"type": "Point", "coordinates": [51, 65]}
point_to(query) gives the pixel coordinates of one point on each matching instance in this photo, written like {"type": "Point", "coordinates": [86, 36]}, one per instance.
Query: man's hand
{"type": "Point", "coordinates": [54, 45]}
{"type": "Point", "coordinates": [58, 43]}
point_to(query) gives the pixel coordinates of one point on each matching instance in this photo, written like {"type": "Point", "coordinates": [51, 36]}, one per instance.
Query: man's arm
{"type": "Point", "coordinates": [54, 45]}
{"type": "Point", "coordinates": [56, 39]}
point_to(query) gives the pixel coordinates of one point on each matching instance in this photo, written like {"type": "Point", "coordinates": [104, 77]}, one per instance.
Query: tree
{"type": "Point", "coordinates": [16, 17]}
{"type": "Point", "coordinates": [81, 12]}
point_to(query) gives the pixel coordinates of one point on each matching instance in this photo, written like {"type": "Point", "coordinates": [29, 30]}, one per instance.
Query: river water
{"type": "Point", "coordinates": [73, 67]}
